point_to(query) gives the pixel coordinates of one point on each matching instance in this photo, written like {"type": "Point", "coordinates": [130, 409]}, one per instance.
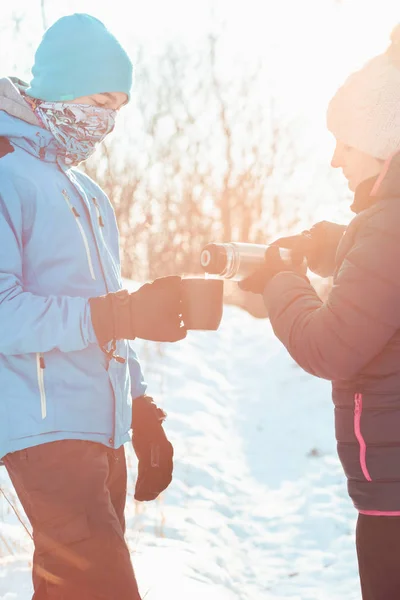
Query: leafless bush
{"type": "Point", "coordinates": [202, 157]}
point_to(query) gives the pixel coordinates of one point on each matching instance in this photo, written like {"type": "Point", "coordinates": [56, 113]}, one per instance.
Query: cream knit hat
{"type": "Point", "coordinates": [365, 111]}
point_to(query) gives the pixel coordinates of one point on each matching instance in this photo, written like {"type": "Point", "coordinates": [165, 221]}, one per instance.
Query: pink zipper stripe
{"type": "Point", "coordinates": [380, 513]}
{"type": "Point", "coordinates": [357, 430]}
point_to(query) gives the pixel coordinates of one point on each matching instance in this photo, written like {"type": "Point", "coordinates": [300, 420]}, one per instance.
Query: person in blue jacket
{"type": "Point", "coordinates": [67, 372]}
{"type": "Point", "coordinates": [353, 338]}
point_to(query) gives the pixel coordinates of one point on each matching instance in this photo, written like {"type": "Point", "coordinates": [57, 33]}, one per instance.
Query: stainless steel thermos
{"type": "Point", "coordinates": [235, 260]}
{"type": "Point", "coordinates": [232, 260]}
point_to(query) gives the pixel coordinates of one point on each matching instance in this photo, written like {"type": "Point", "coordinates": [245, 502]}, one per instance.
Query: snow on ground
{"type": "Point", "coordinates": [258, 507]}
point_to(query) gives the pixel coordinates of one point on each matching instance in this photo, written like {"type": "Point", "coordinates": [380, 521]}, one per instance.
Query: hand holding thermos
{"type": "Point", "coordinates": [253, 265]}
{"type": "Point", "coordinates": [318, 245]}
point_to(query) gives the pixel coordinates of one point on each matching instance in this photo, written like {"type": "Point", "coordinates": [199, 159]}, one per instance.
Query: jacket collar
{"type": "Point", "coordinates": [363, 198]}
{"type": "Point", "coordinates": [19, 124]}
{"type": "Point", "coordinates": [383, 186]}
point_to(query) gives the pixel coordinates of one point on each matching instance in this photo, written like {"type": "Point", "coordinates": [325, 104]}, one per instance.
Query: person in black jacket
{"type": "Point", "coordinates": [353, 338]}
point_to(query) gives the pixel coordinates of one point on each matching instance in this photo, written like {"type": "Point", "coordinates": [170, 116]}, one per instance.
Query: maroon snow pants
{"type": "Point", "coordinates": [74, 493]}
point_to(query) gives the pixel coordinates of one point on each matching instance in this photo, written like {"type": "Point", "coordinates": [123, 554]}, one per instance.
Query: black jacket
{"type": "Point", "coordinates": [353, 339]}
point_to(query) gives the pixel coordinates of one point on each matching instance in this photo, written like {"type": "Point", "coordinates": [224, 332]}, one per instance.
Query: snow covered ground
{"type": "Point", "coordinates": [258, 507]}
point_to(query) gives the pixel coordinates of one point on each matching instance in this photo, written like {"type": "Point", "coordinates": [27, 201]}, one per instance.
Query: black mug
{"type": "Point", "coordinates": [202, 303]}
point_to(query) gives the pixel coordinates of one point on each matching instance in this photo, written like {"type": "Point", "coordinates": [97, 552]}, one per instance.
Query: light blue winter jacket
{"type": "Point", "coordinates": [58, 247]}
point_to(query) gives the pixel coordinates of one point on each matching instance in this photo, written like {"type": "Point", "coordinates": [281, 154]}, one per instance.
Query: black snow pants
{"type": "Point", "coordinates": [73, 493]}
{"type": "Point", "coordinates": [378, 551]}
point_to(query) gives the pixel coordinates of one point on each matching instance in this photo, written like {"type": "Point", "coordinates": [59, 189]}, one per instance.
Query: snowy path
{"type": "Point", "coordinates": [258, 507]}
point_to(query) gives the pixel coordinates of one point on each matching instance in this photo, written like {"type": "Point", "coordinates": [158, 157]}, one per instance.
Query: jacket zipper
{"type": "Point", "coordinates": [99, 217]}
{"type": "Point", "coordinates": [81, 191]}
{"type": "Point", "coordinates": [358, 407]}
{"type": "Point", "coordinates": [40, 367]}
{"type": "Point", "coordinates": [83, 234]}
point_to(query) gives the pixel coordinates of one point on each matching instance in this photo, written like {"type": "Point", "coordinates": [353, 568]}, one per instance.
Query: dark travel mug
{"type": "Point", "coordinates": [202, 303]}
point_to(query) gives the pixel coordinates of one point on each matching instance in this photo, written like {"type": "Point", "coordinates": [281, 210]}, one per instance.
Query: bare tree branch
{"type": "Point", "coordinates": [43, 13]}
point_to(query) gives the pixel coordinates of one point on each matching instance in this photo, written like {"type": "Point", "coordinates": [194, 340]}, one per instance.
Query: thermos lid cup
{"type": "Point", "coordinates": [202, 303]}
{"type": "Point", "coordinates": [213, 258]}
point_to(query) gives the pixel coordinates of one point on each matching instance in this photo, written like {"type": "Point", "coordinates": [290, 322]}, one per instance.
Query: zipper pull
{"type": "Point", "coordinates": [119, 359]}
{"type": "Point", "coordinates": [42, 363]}
{"type": "Point", "coordinates": [111, 353]}
{"type": "Point", "coordinates": [100, 218]}
{"type": "Point", "coordinates": [68, 201]}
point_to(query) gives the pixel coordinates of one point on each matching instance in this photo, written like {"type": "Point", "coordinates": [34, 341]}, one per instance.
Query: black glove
{"type": "Point", "coordinates": [274, 264]}
{"type": "Point", "coordinates": [154, 451]}
{"type": "Point", "coordinates": [318, 246]}
{"type": "Point", "coordinates": [153, 313]}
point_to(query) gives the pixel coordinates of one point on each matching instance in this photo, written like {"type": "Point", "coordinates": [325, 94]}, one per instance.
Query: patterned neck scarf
{"type": "Point", "coordinates": [77, 128]}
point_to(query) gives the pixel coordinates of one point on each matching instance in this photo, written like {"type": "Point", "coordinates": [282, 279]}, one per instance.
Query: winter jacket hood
{"type": "Point", "coordinates": [13, 102]}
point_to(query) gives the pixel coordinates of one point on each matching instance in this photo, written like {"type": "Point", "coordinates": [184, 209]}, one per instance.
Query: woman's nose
{"type": "Point", "coordinates": [336, 160]}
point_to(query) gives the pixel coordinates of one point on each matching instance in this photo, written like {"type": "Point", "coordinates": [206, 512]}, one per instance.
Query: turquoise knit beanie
{"type": "Point", "coordinates": [78, 56]}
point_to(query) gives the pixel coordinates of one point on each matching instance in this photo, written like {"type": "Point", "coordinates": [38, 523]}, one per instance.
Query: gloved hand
{"type": "Point", "coordinates": [153, 313]}
{"type": "Point", "coordinates": [318, 245]}
{"type": "Point", "coordinates": [274, 264]}
{"type": "Point", "coordinates": [154, 451]}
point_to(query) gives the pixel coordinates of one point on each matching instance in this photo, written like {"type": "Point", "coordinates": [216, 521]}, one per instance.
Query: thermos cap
{"type": "Point", "coordinates": [213, 258]}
